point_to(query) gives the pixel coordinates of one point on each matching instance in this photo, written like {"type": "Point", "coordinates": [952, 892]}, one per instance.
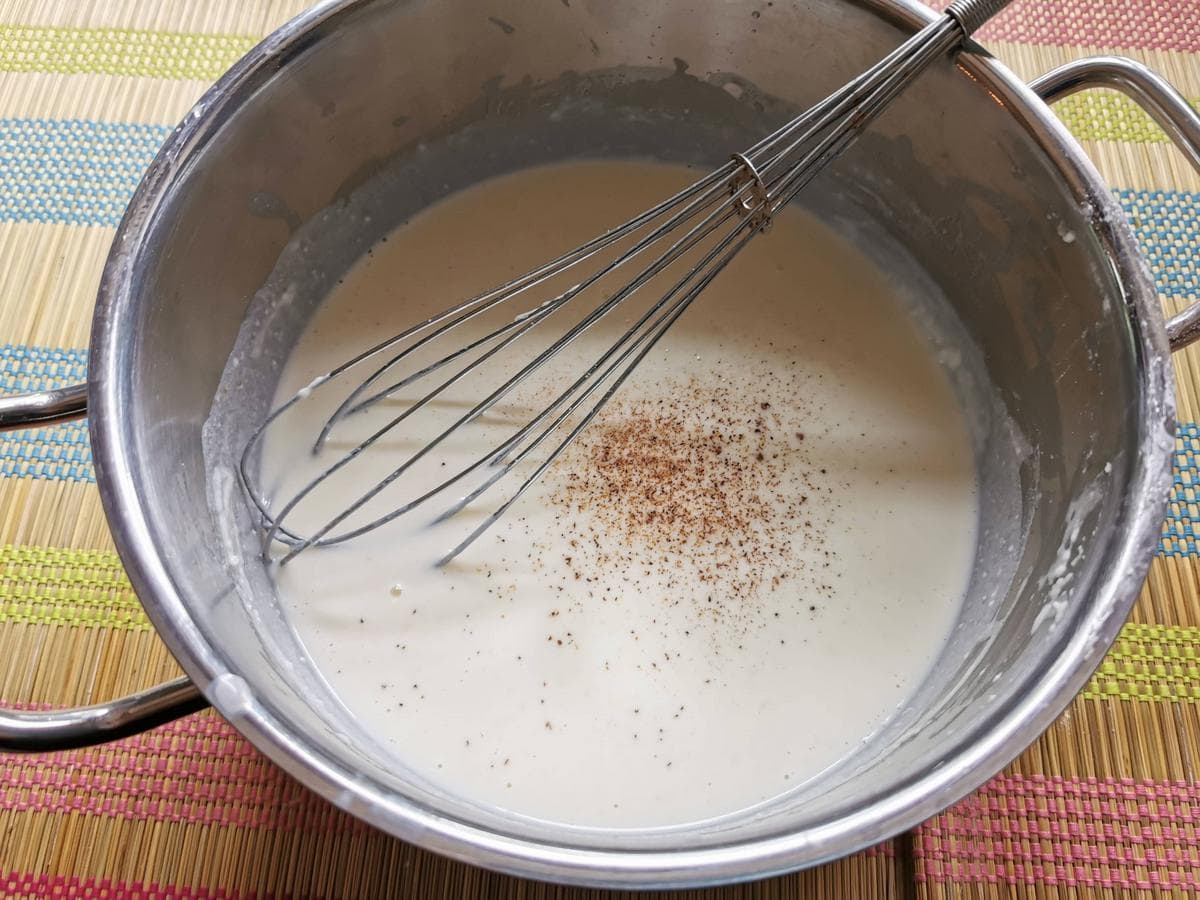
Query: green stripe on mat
{"type": "Point", "coordinates": [52, 586]}
{"type": "Point", "coordinates": [111, 51]}
{"type": "Point", "coordinates": [1106, 116]}
{"type": "Point", "coordinates": [1150, 663]}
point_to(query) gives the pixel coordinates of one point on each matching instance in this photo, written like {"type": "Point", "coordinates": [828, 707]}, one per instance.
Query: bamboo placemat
{"type": "Point", "coordinates": [1106, 804]}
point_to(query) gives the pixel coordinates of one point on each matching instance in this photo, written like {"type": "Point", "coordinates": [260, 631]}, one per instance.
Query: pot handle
{"type": "Point", "coordinates": [1163, 103]}
{"type": "Point", "coordinates": [65, 729]}
{"type": "Point", "coordinates": [43, 407]}
{"type": "Point", "coordinates": [86, 725]}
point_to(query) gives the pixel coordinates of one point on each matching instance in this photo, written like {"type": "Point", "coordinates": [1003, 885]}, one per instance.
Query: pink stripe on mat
{"type": "Point", "coordinates": [196, 770]}
{"type": "Point", "coordinates": [1113, 833]}
{"type": "Point", "coordinates": [26, 884]}
{"type": "Point", "coordinates": [1112, 24]}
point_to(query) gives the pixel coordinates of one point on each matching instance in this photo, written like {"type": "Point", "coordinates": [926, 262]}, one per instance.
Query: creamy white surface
{"type": "Point", "coordinates": [572, 665]}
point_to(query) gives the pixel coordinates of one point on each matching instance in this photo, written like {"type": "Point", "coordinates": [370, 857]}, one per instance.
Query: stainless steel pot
{"type": "Point", "coordinates": [970, 179]}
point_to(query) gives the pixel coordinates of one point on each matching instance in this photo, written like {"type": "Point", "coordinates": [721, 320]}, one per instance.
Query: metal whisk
{"type": "Point", "coordinates": [699, 230]}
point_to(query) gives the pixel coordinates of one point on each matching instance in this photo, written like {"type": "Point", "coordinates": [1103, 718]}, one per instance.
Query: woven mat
{"type": "Point", "coordinates": [1106, 804]}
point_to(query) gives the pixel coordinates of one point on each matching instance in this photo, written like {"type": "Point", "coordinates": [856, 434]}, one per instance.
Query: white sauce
{"type": "Point", "coordinates": [667, 627]}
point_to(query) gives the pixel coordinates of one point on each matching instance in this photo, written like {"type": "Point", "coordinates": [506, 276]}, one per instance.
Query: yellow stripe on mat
{"type": "Point", "coordinates": [56, 586]}
{"type": "Point", "coordinates": [1150, 663]}
{"type": "Point", "coordinates": [127, 52]}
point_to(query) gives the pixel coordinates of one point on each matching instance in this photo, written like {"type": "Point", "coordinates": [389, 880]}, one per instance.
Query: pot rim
{"type": "Point", "coordinates": [995, 741]}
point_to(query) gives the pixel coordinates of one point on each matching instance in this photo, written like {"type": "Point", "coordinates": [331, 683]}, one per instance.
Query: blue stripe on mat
{"type": "Point", "coordinates": [24, 368]}
{"type": "Point", "coordinates": [80, 172]}
{"type": "Point", "coordinates": [1167, 225]}
{"type": "Point", "coordinates": [60, 453]}
{"type": "Point", "coordinates": [72, 171]}
{"type": "Point", "coordinates": [1181, 530]}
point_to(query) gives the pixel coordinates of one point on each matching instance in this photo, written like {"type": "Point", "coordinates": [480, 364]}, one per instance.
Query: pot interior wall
{"type": "Point", "coordinates": [387, 107]}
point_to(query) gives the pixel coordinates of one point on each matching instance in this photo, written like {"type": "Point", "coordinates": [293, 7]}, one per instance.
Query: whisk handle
{"type": "Point", "coordinates": [970, 14]}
